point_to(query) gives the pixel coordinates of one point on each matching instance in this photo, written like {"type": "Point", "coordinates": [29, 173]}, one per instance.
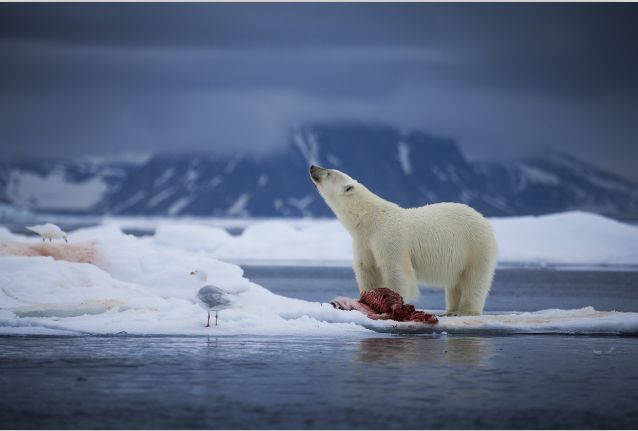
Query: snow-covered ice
{"type": "Point", "coordinates": [272, 241]}
{"type": "Point", "coordinates": [143, 286]}
{"type": "Point", "coordinates": [573, 238]}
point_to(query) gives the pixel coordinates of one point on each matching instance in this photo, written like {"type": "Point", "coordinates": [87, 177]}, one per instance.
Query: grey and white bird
{"type": "Point", "coordinates": [209, 297]}
{"type": "Point", "coordinates": [48, 231]}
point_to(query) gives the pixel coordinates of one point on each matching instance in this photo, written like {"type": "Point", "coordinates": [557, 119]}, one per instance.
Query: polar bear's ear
{"type": "Point", "coordinates": [348, 189]}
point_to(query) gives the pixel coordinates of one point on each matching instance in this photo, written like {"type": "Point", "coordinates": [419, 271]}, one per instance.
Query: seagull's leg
{"type": "Point", "coordinates": [215, 318]}
{"type": "Point", "coordinates": [208, 323]}
{"type": "Point", "coordinates": [43, 240]}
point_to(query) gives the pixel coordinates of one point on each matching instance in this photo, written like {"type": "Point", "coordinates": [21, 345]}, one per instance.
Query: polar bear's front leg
{"type": "Point", "coordinates": [402, 280]}
{"type": "Point", "coordinates": [399, 276]}
{"type": "Point", "coordinates": [368, 275]}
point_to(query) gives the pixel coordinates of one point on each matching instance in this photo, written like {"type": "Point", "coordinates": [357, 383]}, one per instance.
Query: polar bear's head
{"type": "Point", "coordinates": [346, 197]}
{"type": "Point", "coordinates": [334, 186]}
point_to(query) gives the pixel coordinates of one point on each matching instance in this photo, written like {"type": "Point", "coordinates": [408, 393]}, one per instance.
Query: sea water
{"type": "Point", "coordinates": [371, 382]}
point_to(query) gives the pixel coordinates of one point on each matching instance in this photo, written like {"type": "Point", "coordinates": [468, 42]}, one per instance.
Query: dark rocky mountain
{"type": "Point", "coordinates": [412, 169]}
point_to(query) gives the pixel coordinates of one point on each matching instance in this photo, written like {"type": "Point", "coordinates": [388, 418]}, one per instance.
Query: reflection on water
{"type": "Point", "coordinates": [319, 382]}
{"type": "Point", "coordinates": [425, 350]}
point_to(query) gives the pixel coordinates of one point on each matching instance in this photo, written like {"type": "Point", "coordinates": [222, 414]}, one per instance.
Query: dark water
{"type": "Point", "coordinates": [512, 290]}
{"type": "Point", "coordinates": [70, 226]}
{"type": "Point", "coordinates": [374, 382]}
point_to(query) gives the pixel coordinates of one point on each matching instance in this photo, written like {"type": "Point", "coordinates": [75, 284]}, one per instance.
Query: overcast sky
{"type": "Point", "coordinates": [503, 80]}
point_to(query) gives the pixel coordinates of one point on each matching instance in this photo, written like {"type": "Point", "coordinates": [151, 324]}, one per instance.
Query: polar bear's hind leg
{"type": "Point", "coordinates": [452, 300]}
{"type": "Point", "coordinates": [473, 287]}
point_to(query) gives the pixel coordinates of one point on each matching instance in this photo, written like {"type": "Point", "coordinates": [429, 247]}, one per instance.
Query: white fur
{"type": "Point", "coordinates": [446, 245]}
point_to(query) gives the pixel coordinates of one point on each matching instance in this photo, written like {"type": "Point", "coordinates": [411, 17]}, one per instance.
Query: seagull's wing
{"type": "Point", "coordinates": [213, 296]}
{"type": "Point", "coordinates": [53, 228]}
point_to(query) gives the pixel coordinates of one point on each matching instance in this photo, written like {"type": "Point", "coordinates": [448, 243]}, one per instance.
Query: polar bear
{"type": "Point", "coordinates": [448, 245]}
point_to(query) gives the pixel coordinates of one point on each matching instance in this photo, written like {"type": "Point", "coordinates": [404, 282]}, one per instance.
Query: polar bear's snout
{"type": "Point", "coordinates": [317, 172]}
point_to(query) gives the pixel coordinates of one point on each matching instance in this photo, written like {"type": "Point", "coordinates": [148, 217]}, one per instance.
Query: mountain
{"type": "Point", "coordinates": [60, 185]}
{"type": "Point", "coordinates": [412, 169]}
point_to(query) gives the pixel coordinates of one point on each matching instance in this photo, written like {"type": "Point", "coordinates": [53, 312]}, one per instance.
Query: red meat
{"type": "Point", "coordinates": [384, 303]}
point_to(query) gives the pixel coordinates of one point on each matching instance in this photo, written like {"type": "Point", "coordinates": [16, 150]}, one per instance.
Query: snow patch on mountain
{"type": "Point", "coordinates": [123, 205]}
{"type": "Point", "coordinates": [12, 214]}
{"type": "Point", "coordinates": [333, 160]}
{"type": "Point", "coordinates": [215, 181]}
{"type": "Point", "coordinates": [308, 146]}
{"type": "Point", "coordinates": [302, 204]}
{"type": "Point", "coordinates": [53, 191]}
{"type": "Point", "coordinates": [166, 175]}
{"type": "Point", "coordinates": [404, 157]}
{"type": "Point", "coordinates": [177, 207]}
{"type": "Point", "coordinates": [238, 208]}
{"type": "Point", "coordinates": [160, 197]}
{"type": "Point", "coordinates": [537, 175]}
{"type": "Point", "coordinates": [191, 175]}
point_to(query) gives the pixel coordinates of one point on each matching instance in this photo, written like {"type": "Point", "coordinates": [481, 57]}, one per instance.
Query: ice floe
{"type": "Point", "coordinates": [143, 286]}
{"type": "Point", "coordinates": [573, 238]}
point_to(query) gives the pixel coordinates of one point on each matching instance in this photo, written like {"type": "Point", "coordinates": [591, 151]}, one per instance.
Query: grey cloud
{"type": "Point", "coordinates": [501, 79]}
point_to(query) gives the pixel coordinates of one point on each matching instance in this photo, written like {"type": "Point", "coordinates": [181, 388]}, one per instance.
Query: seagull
{"type": "Point", "coordinates": [48, 231]}
{"type": "Point", "coordinates": [210, 298]}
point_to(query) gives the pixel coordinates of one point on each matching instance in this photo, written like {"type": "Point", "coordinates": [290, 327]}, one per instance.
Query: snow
{"type": "Point", "coordinates": [53, 191]}
{"type": "Point", "coordinates": [166, 175]}
{"type": "Point", "coordinates": [129, 158]}
{"type": "Point", "coordinates": [404, 157]}
{"type": "Point", "coordinates": [440, 175]}
{"type": "Point", "coordinates": [127, 203]}
{"type": "Point", "coordinates": [143, 286]}
{"type": "Point", "coordinates": [232, 164]}
{"type": "Point", "coordinates": [333, 160]}
{"type": "Point", "coordinates": [319, 242]}
{"type": "Point", "coordinates": [160, 197]}
{"type": "Point", "coordinates": [217, 180]}
{"type": "Point", "coordinates": [573, 238]}
{"type": "Point", "coordinates": [308, 146]}
{"type": "Point", "coordinates": [537, 175]}
{"type": "Point", "coordinates": [302, 204]}
{"type": "Point", "coordinates": [10, 213]}
{"type": "Point", "coordinates": [238, 208]}
{"type": "Point", "coordinates": [179, 205]}
{"type": "Point", "coordinates": [186, 237]}
{"type": "Point", "coordinates": [191, 175]}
